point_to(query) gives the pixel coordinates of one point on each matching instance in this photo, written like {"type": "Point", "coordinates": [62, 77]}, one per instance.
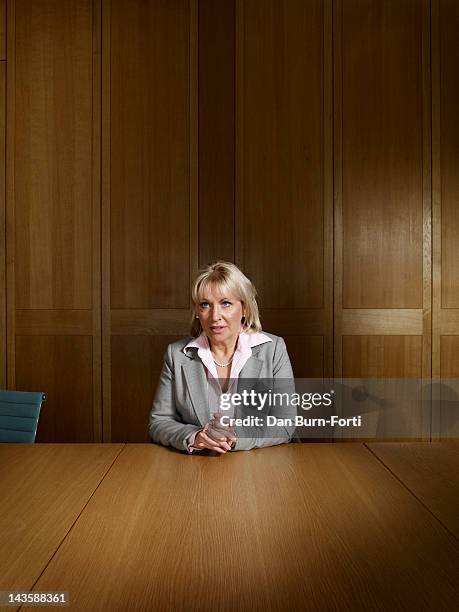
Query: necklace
{"type": "Point", "coordinates": [223, 365]}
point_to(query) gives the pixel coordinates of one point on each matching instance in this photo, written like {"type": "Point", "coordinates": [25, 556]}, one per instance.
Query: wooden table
{"type": "Point", "coordinates": [297, 527]}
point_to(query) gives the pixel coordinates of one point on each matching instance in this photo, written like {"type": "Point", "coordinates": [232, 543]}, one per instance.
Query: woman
{"type": "Point", "coordinates": [226, 345]}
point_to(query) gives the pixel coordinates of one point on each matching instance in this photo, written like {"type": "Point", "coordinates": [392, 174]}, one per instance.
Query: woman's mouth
{"type": "Point", "coordinates": [217, 329]}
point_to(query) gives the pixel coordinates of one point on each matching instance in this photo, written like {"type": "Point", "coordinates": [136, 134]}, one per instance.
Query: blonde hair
{"type": "Point", "coordinates": [226, 276]}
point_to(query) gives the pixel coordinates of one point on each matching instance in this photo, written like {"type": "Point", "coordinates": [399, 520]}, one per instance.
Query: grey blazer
{"type": "Point", "coordinates": [180, 405]}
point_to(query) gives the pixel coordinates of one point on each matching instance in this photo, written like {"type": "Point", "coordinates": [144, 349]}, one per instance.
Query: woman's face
{"type": "Point", "coordinates": [220, 314]}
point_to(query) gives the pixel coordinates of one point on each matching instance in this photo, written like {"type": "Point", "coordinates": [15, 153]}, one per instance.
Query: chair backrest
{"type": "Point", "coordinates": [19, 412]}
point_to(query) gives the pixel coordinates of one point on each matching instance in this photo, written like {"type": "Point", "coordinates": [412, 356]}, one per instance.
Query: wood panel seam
{"type": "Point", "coordinates": [9, 192]}
{"type": "Point", "coordinates": [78, 516]}
{"type": "Point", "coordinates": [405, 486]}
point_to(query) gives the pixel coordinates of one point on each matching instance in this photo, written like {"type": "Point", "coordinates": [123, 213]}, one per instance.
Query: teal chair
{"type": "Point", "coordinates": [19, 412]}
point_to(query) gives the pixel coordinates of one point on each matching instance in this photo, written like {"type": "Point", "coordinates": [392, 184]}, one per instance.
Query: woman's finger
{"type": "Point", "coordinates": [214, 443]}
{"type": "Point", "coordinates": [206, 442]}
{"type": "Point", "coordinates": [222, 441]}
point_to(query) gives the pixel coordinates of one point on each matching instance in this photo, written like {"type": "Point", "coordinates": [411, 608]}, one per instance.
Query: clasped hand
{"type": "Point", "coordinates": [215, 436]}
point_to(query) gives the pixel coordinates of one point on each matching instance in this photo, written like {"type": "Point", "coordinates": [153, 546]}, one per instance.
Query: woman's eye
{"type": "Point", "coordinates": [203, 304]}
{"type": "Point", "coordinates": [228, 303]}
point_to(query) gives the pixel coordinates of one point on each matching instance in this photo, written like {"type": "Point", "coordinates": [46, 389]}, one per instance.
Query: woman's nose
{"type": "Point", "coordinates": [216, 313]}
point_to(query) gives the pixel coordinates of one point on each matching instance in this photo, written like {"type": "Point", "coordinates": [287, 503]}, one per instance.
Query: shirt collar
{"type": "Point", "coordinates": [246, 340]}
{"type": "Point", "coordinates": [243, 352]}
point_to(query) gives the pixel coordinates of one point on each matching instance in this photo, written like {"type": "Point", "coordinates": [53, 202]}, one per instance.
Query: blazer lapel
{"type": "Point", "coordinates": [250, 373]}
{"type": "Point", "coordinates": [196, 381]}
{"type": "Point", "coordinates": [252, 368]}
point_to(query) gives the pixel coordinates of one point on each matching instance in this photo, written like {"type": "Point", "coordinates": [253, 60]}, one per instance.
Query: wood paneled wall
{"type": "Point", "coordinates": [53, 211]}
{"type": "Point", "coordinates": [312, 143]}
{"type": "Point", "coordinates": [445, 187]}
{"type": "Point", "coordinates": [3, 375]}
{"type": "Point", "coordinates": [149, 198]}
{"type": "Point", "coordinates": [284, 197]}
{"type": "Point", "coordinates": [382, 189]}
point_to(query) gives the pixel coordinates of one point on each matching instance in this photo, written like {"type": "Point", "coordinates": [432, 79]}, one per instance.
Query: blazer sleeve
{"type": "Point", "coordinates": [283, 373]}
{"type": "Point", "coordinates": [166, 426]}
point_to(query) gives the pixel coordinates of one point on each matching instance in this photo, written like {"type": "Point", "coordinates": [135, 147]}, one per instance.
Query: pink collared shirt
{"type": "Point", "coordinates": [243, 352]}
